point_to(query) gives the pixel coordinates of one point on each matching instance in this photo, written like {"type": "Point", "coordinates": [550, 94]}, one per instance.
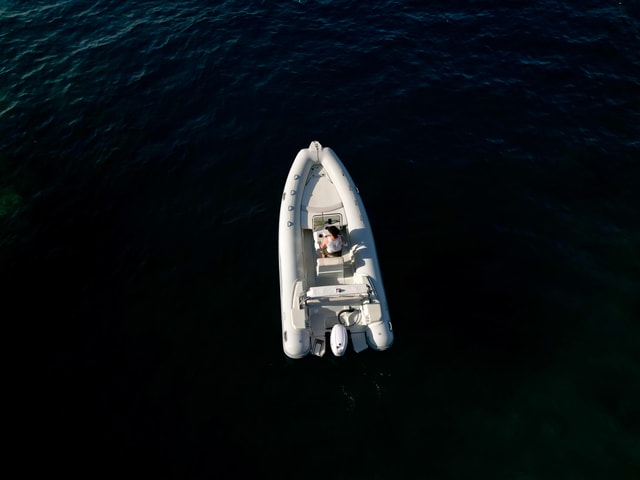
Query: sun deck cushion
{"type": "Point", "coordinates": [330, 265]}
{"type": "Point", "coordinates": [337, 290]}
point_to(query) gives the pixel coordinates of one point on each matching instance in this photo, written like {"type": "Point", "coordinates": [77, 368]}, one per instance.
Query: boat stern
{"type": "Point", "coordinates": [380, 335]}
{"type": "Point", "coordinates": [296, 343]}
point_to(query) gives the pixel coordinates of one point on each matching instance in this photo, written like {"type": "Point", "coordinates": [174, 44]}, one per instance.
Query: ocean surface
{"type": "Point", "coordinates": [144, 146]}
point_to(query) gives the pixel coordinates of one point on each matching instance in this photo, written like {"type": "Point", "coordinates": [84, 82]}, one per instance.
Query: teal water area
{"type": "Point", "coordinates": [143, 151]}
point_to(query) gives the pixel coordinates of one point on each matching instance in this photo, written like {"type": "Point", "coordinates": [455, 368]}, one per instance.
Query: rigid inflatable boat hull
{"type": "Point", "coordinates": [317, 293]}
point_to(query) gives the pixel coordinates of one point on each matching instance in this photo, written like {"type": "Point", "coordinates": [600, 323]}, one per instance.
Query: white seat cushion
{"type": "Point", "coordinates": [330, 265]}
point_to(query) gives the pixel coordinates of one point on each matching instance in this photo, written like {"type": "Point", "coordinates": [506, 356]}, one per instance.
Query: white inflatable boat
{"type": "Point", "coordinates": [337, 299]}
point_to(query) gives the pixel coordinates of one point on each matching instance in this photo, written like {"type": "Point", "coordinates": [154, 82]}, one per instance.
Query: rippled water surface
{"type": "Point", "coordinates": [143, 149]}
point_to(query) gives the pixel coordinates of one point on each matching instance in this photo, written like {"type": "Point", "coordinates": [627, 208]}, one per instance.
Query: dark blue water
{"type": "Point", "coordinates": [496, 145]}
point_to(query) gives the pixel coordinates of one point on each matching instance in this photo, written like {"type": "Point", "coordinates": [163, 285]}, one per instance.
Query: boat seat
{"type": "Point", "coordinates": [330, 266]}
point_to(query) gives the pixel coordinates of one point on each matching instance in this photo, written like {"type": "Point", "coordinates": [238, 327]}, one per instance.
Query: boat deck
{"type": "Point", "coordinates": [332, 295]}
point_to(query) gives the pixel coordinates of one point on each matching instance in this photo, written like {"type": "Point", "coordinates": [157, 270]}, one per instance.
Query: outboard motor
{"type": "Point", "coordinates": [339, 340]}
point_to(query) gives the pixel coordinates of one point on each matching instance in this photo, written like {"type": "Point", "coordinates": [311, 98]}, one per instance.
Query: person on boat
{"type": "Point", "coordinates": [332, 244]}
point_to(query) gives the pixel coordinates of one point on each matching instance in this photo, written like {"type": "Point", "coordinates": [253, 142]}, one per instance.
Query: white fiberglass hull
{"type": "Point", "coordinates": [317, 293]}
